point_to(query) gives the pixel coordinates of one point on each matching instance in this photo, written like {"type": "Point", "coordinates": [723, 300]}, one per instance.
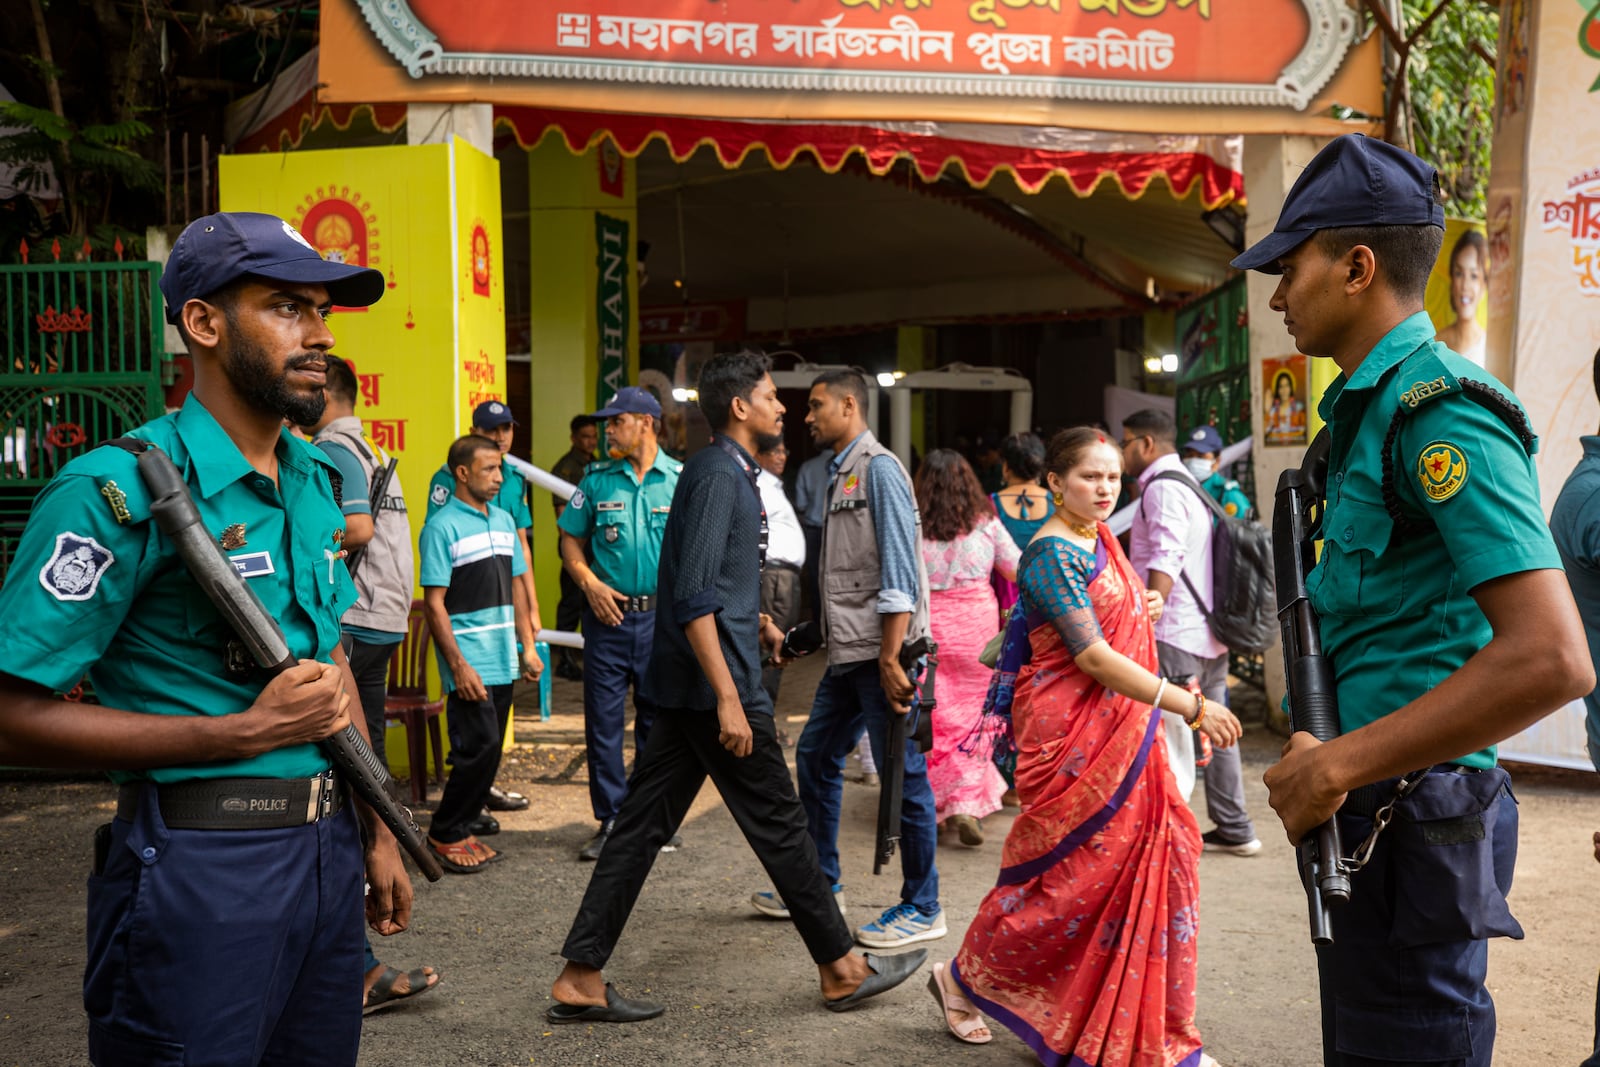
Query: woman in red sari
{"type": "Point", "coordinates": [1086, 946]}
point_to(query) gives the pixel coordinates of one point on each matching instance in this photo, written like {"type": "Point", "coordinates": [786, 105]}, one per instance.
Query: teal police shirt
{"type": "Point", "coordinates": [623, 520]}
{"type": "Point", "coordinates": [512, 498]}
{"type": "Point", "coordinates": [96, 588]}
{"type": "Point", "coordinates": [1226, 491]}
{"type": "Point", "coordinates": [1397, 615]}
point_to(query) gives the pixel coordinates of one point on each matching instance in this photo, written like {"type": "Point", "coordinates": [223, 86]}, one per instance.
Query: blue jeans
{"type": "Point", "coordinates": [846, 699]}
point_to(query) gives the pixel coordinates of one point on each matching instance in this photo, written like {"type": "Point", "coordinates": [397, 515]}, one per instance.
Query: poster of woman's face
{"type": "Point", "coordinates": [1457, 287]}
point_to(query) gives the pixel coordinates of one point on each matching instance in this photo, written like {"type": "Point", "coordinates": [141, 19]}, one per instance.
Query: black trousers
{"type": "Point", "coordinates": [477, 730]}
{"type": "Point", "coordinates": [370, 665]}
{"type": "Point", "coordinates": [760, 796]}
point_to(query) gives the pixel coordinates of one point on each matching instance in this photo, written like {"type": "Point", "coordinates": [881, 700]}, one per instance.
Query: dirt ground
{"type": "Point", "coordinates": [741, 989]}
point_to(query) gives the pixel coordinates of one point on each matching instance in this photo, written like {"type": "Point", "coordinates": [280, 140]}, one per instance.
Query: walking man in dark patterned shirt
{"type": "Point", "coordinates": [715, 719]}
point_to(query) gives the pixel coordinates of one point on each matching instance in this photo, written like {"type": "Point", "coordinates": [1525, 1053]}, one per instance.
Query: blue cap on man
{"type": "Point", "coordinates": [631, 400]}
{"type": "Point", "coordinates": [1204, 440]}
{"type": "Point", "coordinates": [1353, 181]}
{"type": "Point", "coordinates": [219, 249]}
{"type": "Point", "coordinates": [491, 413]}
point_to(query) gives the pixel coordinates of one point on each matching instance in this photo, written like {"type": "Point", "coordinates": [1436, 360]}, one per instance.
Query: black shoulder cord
{"type": "Point", "coordinates": [1479, 392]}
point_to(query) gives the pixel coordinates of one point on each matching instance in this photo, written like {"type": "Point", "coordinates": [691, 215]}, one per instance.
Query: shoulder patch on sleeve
{"type": "Point", "coordinates": [438, 495]}
{"type": "Point", "coordinates": [73, 572]}
{"type": "Point", "coordinates": [1442, 470]}
{"type": "Point", "coordinates": [577, 499]}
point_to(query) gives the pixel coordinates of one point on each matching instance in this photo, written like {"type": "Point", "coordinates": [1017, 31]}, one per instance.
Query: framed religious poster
{"type": "Point", "coordinates": [1285, 387]}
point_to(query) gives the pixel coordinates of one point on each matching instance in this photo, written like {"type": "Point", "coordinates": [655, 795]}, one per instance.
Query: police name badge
{"type": "Point", "coordinates": [1442, 470]}
{"type": "Point", "coordinates": [74, 571]}
{"type": "Point", "coordinates": [253, 564]}
{"type": "Point", "coordinates": [440, 494]}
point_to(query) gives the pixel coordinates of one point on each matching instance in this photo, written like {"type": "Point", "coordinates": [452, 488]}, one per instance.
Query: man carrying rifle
{"type": "Point", "coordinates": [715, 718]}
{"type": "Point", "coordinates": [375, 523]}
{"type": "Point", "coordinates": [1441, 606]}
{"type": "Point", "coordinates": [874, 601]}
{"type": "Point", "coordinates": [224, 908]}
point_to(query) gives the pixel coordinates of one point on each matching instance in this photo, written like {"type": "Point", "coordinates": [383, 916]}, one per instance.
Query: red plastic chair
{"type": "Point", "coordinates": [408, 703]}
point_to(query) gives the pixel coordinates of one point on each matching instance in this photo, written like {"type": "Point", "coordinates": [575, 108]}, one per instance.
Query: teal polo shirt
{"type": "Point", "coordinates": [512, 498]}
{"type": "Point", "coordinates": [474, 555]}
{"type": "Point", "coordinates": [623, 519]}
{"type": "Point", "coordinates": [1397, 615]}
{"type": "Point", "coordinates": [109, 597]}
{"type": "Point", "coordinates": [1226, 491]}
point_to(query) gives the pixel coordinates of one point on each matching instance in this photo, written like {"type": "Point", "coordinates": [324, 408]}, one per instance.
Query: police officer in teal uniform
{"type": "Point", "coordinates": [492, 419]}
{"type": "Point", "coordinates": [1442, 608]}
{"type": "Point", "coordinates": [620, 513]}
{"type": "Point", "coordinates": [1201, 447]}
{"type": "Point", "coordinates": [224, 908]}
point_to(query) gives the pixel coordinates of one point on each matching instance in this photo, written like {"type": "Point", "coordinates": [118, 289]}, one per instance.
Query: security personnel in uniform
{"type": "Point", "coordinates": [1442, 608]}
{"type": "Point", "coordinates": [493, 420]}
{"type": "Point", "coordinates": [224, 914]}
{"type": "Point", "coordinates": [619, 513]}
{"type": "Point", "coordinates": [1200, 451]}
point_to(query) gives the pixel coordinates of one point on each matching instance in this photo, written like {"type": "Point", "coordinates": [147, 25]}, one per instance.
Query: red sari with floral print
{"type": "Point", "coordinates": [1086, 946]}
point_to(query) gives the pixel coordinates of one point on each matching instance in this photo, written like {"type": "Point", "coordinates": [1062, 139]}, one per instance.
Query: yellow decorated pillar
{"type": "Point", "coordinates": [428, 217]}
{"type": "Point", "coordinates": [583, 309]}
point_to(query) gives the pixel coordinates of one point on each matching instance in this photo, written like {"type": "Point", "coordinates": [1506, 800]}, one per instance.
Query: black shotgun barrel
{"type": "Point", "coordinates": [1313, 700]}
{"type": "Point", "coordinates": [174, 511]}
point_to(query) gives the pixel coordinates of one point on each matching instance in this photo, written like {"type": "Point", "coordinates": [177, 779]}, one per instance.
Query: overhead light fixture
{"type": "Point", "coordinates": [886, 379]}
{"type": "Point", "coordinates": [683, 396]}
{"type": "Point", "coordinates": [1152, 364]}
{"type": "Point", "coordinates": [1227, 222]}
{"type": "Point", "coordinates": [1169, 363]}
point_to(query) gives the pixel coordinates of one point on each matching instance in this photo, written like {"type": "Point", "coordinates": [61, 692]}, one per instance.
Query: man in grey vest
{"type": "Point", "coordinates": [874, 600]}
{"type": "Point", "coordinates": [375, 625]}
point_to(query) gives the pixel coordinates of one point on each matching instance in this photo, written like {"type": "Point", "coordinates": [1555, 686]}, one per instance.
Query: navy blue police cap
{"type": "Point", "coordinates": [1203, 439]}
{"type": "Point", "coordinates": [218, 249]}
{"type": "Point", "coordinates": [1353, 181]}
{"type": "Point", "coordinates": [631, 400]}
{"type": "Point", "coordinates": [490, 414]}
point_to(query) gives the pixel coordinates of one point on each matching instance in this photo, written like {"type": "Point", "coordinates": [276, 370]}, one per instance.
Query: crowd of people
{"type": "Point", "coordinates": [1079, 679]}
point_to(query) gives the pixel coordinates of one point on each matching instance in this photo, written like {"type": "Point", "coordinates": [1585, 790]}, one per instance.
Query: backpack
{"type": "Point", "coordinates": [1244, 613]}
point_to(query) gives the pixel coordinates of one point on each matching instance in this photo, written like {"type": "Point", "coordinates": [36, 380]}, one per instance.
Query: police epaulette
{"type": "Point", "coordinates": [1481, 393]}
{"type": "Point", "coordinates": [135, 445]}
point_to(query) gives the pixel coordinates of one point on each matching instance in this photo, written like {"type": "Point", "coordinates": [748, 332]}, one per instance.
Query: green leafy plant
{"type": "Point", "coordinates": [88, 160]}
{"type": "Point", "coordinates": [1450, 84]}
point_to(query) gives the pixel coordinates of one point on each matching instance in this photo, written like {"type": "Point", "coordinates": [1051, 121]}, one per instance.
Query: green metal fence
{"type": "Point", "coordinates": [82, 364]}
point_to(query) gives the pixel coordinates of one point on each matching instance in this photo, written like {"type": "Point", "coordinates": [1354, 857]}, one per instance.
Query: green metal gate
{"type": "Point", "coordinates": [83, 361]}
{"type": "Point", "coordinates": [1214, 389]}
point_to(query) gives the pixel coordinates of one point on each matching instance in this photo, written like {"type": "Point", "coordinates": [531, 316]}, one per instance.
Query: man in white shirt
{"type": "Point", "coordinates": [1171, 540]}
{"type": "Point", "coordinates": [786, 555]}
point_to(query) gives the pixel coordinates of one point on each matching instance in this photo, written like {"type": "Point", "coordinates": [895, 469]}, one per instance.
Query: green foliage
{"type": "Point", "coordinates": [1451, 90]}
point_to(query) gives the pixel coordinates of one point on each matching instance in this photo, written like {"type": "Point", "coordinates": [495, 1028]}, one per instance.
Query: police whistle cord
{"type": "Point", "coordinates": [893, 765]}
{"type": "Point", "coordinates": [175, 513]}
{"type": "Point", "coordinates": [380, 492]}
{"type": "Point", "coordinates": [1313, 702]}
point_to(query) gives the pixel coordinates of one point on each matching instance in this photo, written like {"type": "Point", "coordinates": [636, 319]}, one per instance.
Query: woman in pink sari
{"type": "Point", "coordinates": [1086, 946]}
{"type": "Point", "coordinates": [963, 544]}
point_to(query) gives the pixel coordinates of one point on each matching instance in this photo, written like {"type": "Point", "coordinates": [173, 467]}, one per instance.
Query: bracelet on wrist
{"type": "Point", "coordinates": [1160, 689]}
{"type": "Point", "coordinates": [1199, 712]}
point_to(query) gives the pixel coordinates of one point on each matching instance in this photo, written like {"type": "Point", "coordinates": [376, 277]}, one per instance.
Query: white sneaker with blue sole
{"type": "Point", "coordinates": [901, 925]}
{"type": "Point", "coordinates": [772, 906]}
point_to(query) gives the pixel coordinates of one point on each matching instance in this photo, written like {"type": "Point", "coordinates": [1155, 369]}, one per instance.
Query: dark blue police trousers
{"type": "Point", "coordinates": [614, 658]}
{"type": "Point", "coordinates": [225, 948]}
{"type": "Point", "coordinates": [1403, 982]}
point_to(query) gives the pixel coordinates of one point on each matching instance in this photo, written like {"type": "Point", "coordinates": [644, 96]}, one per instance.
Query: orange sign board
{"type": "Point", "coordinates": [1208, 54]}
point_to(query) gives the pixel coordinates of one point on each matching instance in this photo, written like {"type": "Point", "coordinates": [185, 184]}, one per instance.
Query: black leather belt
{"type": "Point", "coordinates": [636, 603]}
{"type": "Point", "coordinates": [238, 803]}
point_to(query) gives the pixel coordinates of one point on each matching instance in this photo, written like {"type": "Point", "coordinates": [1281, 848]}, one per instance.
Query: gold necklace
{"type": "Point", "coordinates": [1087, 532]}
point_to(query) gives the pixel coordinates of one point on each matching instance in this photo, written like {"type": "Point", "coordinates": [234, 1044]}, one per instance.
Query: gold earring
{"type": "Point", "coordinates": [1058, 500]}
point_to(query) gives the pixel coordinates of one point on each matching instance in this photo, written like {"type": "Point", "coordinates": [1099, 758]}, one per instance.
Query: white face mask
{"type": "Point", "coordinates": [1199, 467]}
